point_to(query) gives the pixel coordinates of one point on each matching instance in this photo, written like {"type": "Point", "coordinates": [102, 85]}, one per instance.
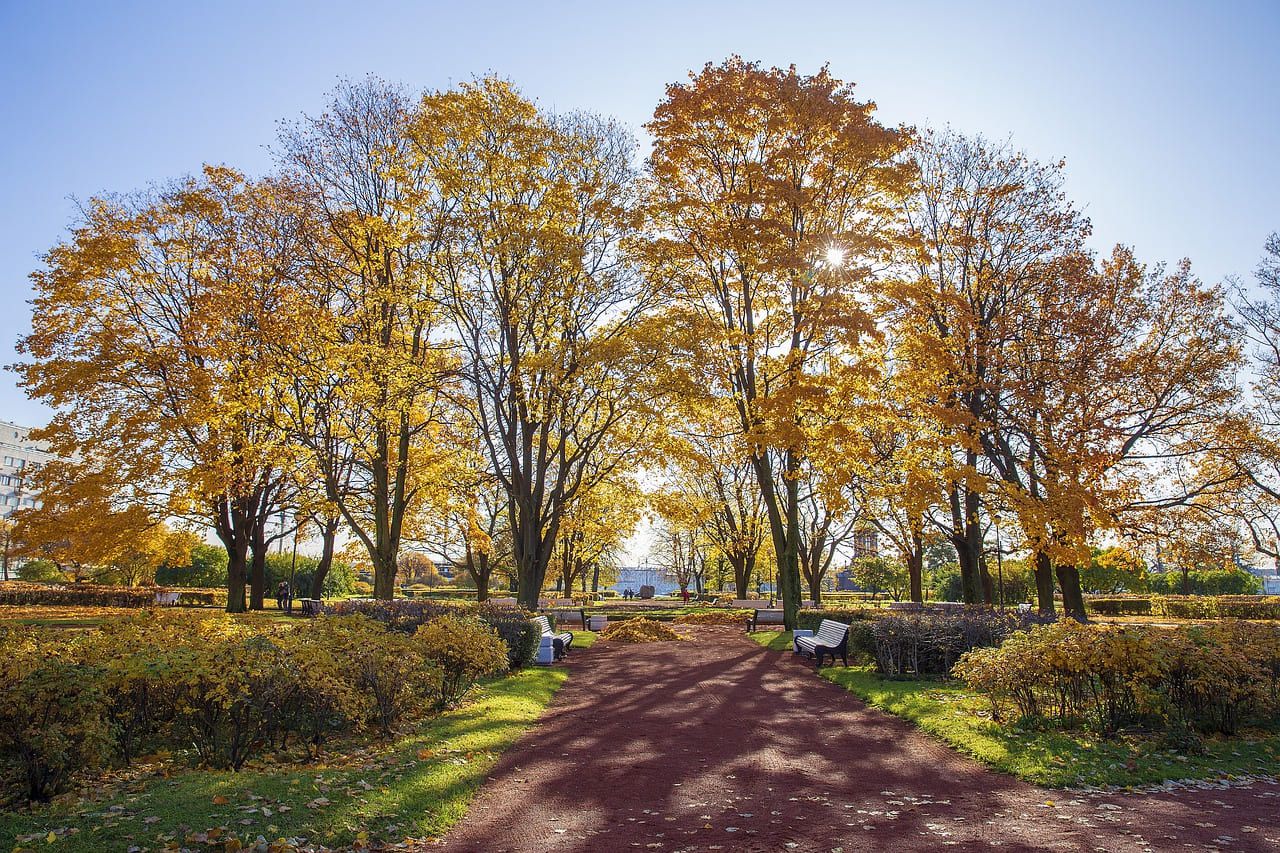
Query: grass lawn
{"type": "Point", "coordinates": [413, 787]}
{"type": "Point", "coordinates": [1050, 757]}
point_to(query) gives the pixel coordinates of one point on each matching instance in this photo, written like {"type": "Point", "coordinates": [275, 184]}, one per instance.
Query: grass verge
{"type": "Point", "coordinates": [414, 787]}
{"type": "Point", "coordinates": [1044, 756]}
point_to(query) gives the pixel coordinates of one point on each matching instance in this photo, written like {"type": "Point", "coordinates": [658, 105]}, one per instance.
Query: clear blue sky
{"type": "Point", "coordinates": [1167, 113]}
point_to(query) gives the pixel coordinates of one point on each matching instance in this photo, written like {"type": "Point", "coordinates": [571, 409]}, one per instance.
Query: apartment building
{"type": "Point", "coordinates": [21, 456]}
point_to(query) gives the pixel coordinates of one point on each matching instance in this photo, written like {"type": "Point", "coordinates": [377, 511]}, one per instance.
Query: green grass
{"type": "Point", "coordinates": [416, 786]}
{"type": "Point", "coordinates": [1043, 756]}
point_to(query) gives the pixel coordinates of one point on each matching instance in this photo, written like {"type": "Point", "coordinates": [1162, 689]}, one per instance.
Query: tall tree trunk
{"type": "Point", "coordinates": [1072, 596]}
{"type": "Point", "coordinates": [1044, 584]}
{"type": "Point", "coordinates": [915, 571]}
{"type": "Point", "coordinates": [258, 566]}
{"type": "Point", "coordinates": [742, 568]}
{"type": "Point", "coordinates": [329, 535]}
{"type": "Point", "coordinates": [231, 525]}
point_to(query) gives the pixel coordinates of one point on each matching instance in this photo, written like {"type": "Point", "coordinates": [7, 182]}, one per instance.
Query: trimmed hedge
{"type": "Point", "coordinates": [77, 595]}
{"type": "Point", "coordinates": [1210, 678]}
{"type": "Point", "coordinates": [930, 643]}
{"type": "Point", "coordinates": [406, 615]}
{"type": "Point", "coordinates": [1188, 606]}
{"type": "Point", "coordinates": [1119, 606]}
{"type": "Point", "coordinates": [222, 688]}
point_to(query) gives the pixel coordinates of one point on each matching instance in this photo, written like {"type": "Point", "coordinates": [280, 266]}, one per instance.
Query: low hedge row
{"type": "Point", "coordinates": [1188, 606]}
{"type": "Point", "coordinates": [222, 688]}
{"type": "Point", "coordinates": [25, 594]}
{"type": "Point", "coordinates": [929, 643]}
{"type": "Point", "coordinates": [1196, 678]}
{"type": "Point", "coordinates": [406, 615]}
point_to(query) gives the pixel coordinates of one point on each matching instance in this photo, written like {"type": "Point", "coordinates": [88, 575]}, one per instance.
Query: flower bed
{"type": "Point", "coordinates": [736, 618]}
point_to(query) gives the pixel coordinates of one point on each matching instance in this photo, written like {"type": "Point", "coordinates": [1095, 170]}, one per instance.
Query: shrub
{"type": "Point", "coordinates": [639, 631]}
{"type": "Point", "coordinates": [52, 713]}
{"type": "Point", "coordinates": [515, 629]}
{"type": "Point", "coordinates": [41, 571]}
{"type": "Point", "coordinates": [1189, 606]}
{"type": "Point", "coordinates": [1206, 677]}
{"type": "Point", "coordinates": [930, 642]}
{"type": "Point", "coordinates": [465, 649]}
{"type": "Point", "coordinates": [1119, 606]}
{"type": "Point", "coordinates": [81, 594]}
{"type": "Point", "coordinates": [386, 666]}
{"type": "Point", "coordinates": [406, 615]}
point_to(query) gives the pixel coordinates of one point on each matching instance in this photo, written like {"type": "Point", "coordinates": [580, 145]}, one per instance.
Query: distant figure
{"type": "Point", "coordinates": [283, 600]}
{"type": "Point", "coordinates": [684, 593]}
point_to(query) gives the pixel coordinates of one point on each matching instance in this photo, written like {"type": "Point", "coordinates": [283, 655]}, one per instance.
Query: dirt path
{"type": "Point", "coordinates": [720, 745]}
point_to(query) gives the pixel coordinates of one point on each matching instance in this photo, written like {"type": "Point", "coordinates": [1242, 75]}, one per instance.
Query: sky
{"type": "Point", "coordinates": [1167, 113]}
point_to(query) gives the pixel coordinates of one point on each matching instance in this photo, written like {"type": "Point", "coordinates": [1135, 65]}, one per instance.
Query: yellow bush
{"type": "Point", "coordinates": [1210, 677]}
{"type": "Point", "coordinates": [53, 718]}
{"type": "Point", "coordinates": [638, 631]}
{"type": "Point", "coordinates": [465, 649]}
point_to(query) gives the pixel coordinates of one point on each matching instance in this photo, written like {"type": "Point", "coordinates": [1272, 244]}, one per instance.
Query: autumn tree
{"type": "Point", "coordinates": [364, 365]}
{"type": "Point", "coordinates": [773, 199]}
{"type": "Point", "coordinates": [546, 311]}
{"type": "Point", "coordinates": [144, 338]}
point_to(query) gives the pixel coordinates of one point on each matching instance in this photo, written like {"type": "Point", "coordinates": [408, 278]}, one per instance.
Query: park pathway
{"type": "Point", "coordinates": [718, 744]}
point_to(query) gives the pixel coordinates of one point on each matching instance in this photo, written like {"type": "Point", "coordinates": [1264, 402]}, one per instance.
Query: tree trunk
{"type": "Point", "coordinates": [329, 535]}
{"type": "Point", "coordinates": [915, 570]}
{"type": "Point", "coordinates": [742, 569]}
{"type": "Point", "coordinates": [481, 578]}
{"type": "Point", "coordinates": [258, 567]}
{"type": "Point", "coordinates": [230, 522]}
{"type": "Point", "coordinates": [1072, 596]}
{"type": "Point", "coordinates": [384, 578]}
{"type": "Point", "coordinates": [1044, 584]}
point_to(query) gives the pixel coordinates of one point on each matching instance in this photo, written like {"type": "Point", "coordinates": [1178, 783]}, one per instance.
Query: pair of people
{"type": "Point", "coordinates": [284, 597]}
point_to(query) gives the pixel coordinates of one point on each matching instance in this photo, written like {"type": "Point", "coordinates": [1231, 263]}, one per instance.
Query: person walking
{"type": "Point", "coordinates": [283, 600]}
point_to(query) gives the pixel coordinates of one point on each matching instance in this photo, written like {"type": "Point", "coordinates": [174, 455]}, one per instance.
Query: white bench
{"type": "Point", "coordinates": [832, 639]}
{"type": "Point", "coordinates": [553, 646]}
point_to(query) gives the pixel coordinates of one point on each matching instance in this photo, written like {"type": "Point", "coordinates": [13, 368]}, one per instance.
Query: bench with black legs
{"type": "Point", "coordinates": [832, 639]}
{"type": "Point", "coordinates": [559, 642]}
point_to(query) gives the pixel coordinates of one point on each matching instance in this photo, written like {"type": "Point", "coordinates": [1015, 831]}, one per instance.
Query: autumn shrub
{"type": "Point", "coordinates": [84, 594]}
{"type": "Point", "coordinates": [1119, 606]}
{"type": "Point", "coordinates": [638, 631]}
{"type": "Point", "coordinates": [1188, 606]}
{"type": "Point", "coordinates": [736, 618]}
{"type": "Point", "coordinates": [515, 629]}
{"type": "Point", "coordinates": [53, 718]}
{"type": "Point", "coordinates": [406, 615]}
{"type": "Point", "coordinates": [465, 648]}
{"type": "Point", "coordinates": [929, 643]}
{"type": "Point", "coordinates": [1210, 678]}
{"type": "Point", "coordinates": [386, 667]}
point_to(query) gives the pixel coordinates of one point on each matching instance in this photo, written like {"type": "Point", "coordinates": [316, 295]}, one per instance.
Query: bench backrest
{"type": "Point", "coordinates": [831, 632]}
{"type": "Point", "coordinates": [543, 623]}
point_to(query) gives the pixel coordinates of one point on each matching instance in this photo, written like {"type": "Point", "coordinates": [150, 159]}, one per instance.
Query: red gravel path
{"type": "Point", "coordinates": [721, 745]}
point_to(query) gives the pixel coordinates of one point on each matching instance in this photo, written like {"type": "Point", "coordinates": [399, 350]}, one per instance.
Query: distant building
{"type": "Point", "coordinates": [21, 457]}
{"type": "Point", "coordinates": [866, 543]}
{"type": "Point", "coordinates": [637, 576]}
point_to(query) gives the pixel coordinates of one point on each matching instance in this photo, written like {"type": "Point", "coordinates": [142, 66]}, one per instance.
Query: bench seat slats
{"type": "Point", "coordinates": [832, 639]}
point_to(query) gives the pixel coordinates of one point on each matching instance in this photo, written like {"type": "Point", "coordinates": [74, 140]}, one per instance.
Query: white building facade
{"type": "Point", "coordinates": [21, 457]}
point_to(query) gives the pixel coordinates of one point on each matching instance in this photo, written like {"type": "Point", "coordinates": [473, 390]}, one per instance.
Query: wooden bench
{"type": "Point", "coordinates": [765, 616]}
{"type": "Point", "coordinates": [559, 643]}
{"type": "Point", "coordinates": [311, 606]}
{"type": "Point", "coordinates": [567, 614]}
{"type": "Point", "coordinates": [832, 639]}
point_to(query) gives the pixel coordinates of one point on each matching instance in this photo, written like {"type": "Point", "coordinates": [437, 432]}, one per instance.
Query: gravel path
{"type": "Point", "coordinates": [721, 745]}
